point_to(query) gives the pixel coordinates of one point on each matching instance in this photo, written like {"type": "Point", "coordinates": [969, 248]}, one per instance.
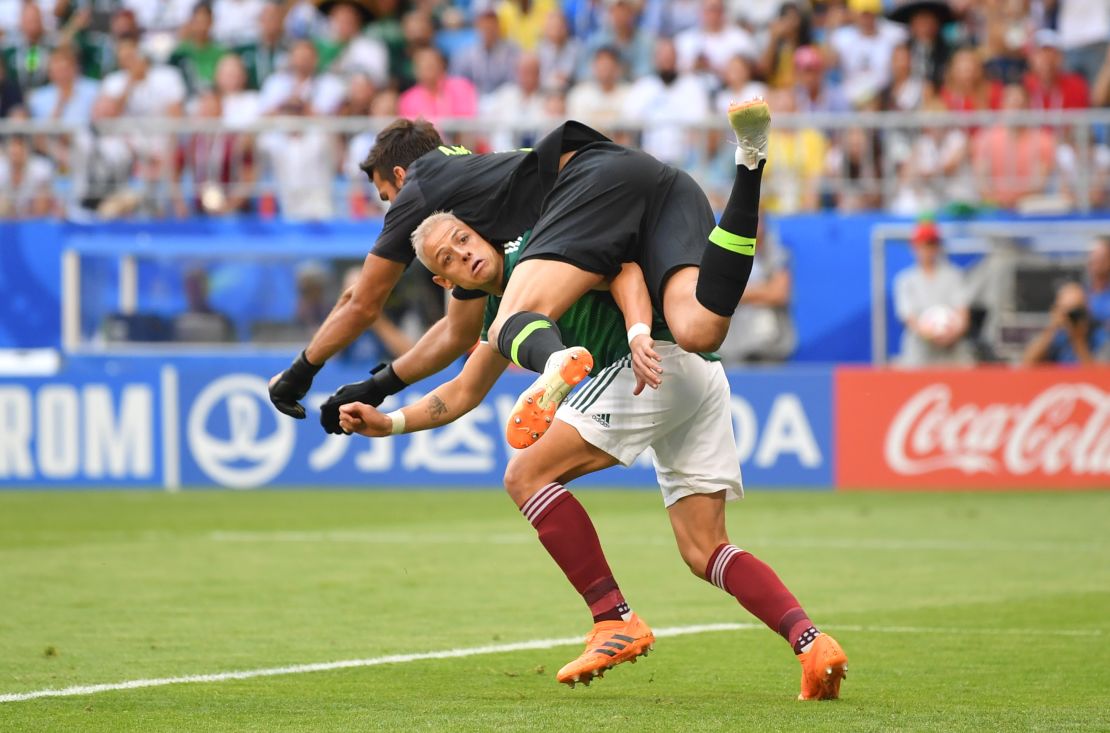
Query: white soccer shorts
{"type": "Point", "coordinates": [687, 422]}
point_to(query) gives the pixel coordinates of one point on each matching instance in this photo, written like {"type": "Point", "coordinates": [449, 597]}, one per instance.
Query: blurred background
{"type": "Point", "coordinates": [179, 189]}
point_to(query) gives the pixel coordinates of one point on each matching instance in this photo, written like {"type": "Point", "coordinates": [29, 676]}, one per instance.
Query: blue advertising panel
{"type": "Point", "coordinates": [192, 421]}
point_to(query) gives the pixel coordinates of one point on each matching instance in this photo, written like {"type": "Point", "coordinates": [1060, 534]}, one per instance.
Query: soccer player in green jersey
{"type": "Point", "coordinates": [686, 420]}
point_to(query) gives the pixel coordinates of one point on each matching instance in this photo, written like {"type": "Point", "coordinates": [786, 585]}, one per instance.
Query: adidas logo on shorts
{"type": "Point", "coordinates": [601, 419]}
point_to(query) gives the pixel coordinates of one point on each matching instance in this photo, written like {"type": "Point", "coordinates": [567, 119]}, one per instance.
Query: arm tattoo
{"type": "Point", "coordinates": [437, 407]}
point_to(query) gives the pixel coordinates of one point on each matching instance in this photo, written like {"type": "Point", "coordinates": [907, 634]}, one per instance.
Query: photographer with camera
{"type": "Point", "coordinates": [1072, 336]}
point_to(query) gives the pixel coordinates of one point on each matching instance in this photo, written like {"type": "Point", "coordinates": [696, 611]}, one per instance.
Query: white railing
{"type": "Point", "coordinates": [909, 163]}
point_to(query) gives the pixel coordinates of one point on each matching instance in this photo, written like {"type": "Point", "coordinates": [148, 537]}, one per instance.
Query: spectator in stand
{"type": "Point", "coordinates": [25, 59]}
{"type": "Point", "coordinates": [303, 165]}
{"type": "Point", "coordinates": [519, 110]}
{"type": "Point", "coordinates": [931, 299]}
{"type": "Point", "coordinates": [620, 32]}
{"type": "Point", "coordinates": [200, 322]}
{"type": "Point", "coordinates": [558, 52]}
{"type": "Point", "coordinates": [359, 98]}
{"type": "Point", "coordinates": [419, 32]}
{"type": "Point", "coordinates": [1072, 336]}
{"type": "Point", "coordinates": [436, 94]}
{"type": "Point", "coordinates": [795, 162]}
{"type": "Point", "coordinates": [98, 45]}
{"type": "Point", "coordinates": [383, 341]}
{"type": "Point", "coordinates": [160, 17]}
{"type": "Point", "coordinates": [1098, 281]}
{"type": "Point", "coordinates": [240, 106]}
{"type": "Point", "coordinates": [196, 54]}
{"type": "Point", "coordinates": [862, 50]}
{"type": "Point", "coordinates": [319, 94]}
{"type": "Point", "coordinates": [599, 99]}
{"type": "Point", "coordinates": [935, 169]}
{"type": "Point", "coordinates": [146, 90]}
{"type": "Point", "coordinates": [219, 165]}
{"type": "Point", "coordinates": [762, 330]}
{"type": "Point", "coordinates": [237, 22]}
{"type": "Point", "coordinates": [668, 18]}
{"type": "Point", "coordinates": [345, 50]}
{"type": "Point", "coordinates": [708, 48]}
{"type": "Point", "coordinates": [1084, 27]}
{"type": "Point", "coordinates": [786, 34]}
{"type": "Point", "coordinates": [25, 182]}
{"type": "Point", "coordinates": [314, 299]}
{"type": "Point", "coordinates": [1048, 84]}
{"type": "Point", "coordinates": [101, 166]}
{"type": "Point", "coordinates": [855, 163]}
{"type": "Point", "coordinates": [1012, 162]}
{"type": "Point", "coordinates": [68, 97]}
{"type": "Point", "coordinates": [522, 21]}
{"type": "Point", "coordinates": [1004, 39]}
{"type": "Point", "coordinates": [929, 51]}
{"type": "Point", "coordinates": [905, 92]}
{"type": "Point", "coordinates": [966, 88]}
{"type": "Point", "coordinates": [668, 103]}
{"type": "Point", "coordinates": [11, 96]}
{"type": "Point", "coordinates": [266, 54]}
{"type": "Point", "coordinates": [386, 27]}
{"type": "Point", "coordinates": [812, 92]}
{"type": "Point", "coordinates": [491, 60]}
{"type": "Point", "coordinates": [739, 86]}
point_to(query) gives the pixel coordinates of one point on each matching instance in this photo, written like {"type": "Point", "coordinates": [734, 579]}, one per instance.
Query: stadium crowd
{"type": "Point", "coordinates": [652, 73]}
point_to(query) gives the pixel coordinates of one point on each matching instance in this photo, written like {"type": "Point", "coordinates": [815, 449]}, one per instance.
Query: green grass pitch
{"type": "Point", "coordinates": [959, 612]}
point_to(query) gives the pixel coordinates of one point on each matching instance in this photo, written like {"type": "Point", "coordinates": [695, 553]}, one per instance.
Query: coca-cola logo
{"type": "Point", "coordinates": [1065, 428]}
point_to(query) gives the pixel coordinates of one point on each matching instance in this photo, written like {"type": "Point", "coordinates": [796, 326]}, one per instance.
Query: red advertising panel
{"type": "Point", "coordinates": [980, 429]}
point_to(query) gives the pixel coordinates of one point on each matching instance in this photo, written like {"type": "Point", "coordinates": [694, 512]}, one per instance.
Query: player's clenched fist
{"type": "Point", "coordinates": [357, 417]}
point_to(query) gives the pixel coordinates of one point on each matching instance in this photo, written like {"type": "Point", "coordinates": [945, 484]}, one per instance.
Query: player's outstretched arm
{"type": "Point", "coordinates": [631, 294]}
{"type": "Point", "coordinates": [445, 341]}
{"type": "Point", "coordinates": [445, 404]}
{"type": "Point", "coordinates": [357, 308]}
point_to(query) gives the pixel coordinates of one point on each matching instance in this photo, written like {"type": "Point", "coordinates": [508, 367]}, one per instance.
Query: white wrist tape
{"type": "Point", "coordinates": [638, 329]}
{"type": "Point", "coordinates": [398, 419]}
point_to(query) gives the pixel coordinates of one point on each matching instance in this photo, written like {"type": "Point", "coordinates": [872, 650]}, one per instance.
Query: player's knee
{"type": "Point", "coordinates": [697, 339]}
{"type": "Point", "coordinates": [520, 484]}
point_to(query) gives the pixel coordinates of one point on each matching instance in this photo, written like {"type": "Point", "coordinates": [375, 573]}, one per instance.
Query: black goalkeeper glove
{"type": "Point", "coordinates": [372, 391]}
{"type": "Point", "coordinates": [293, 384]}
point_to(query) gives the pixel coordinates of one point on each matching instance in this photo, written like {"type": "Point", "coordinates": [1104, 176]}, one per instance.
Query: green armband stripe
{"type": "Point", "coordinates": [732, 242]}
{"type": "Point", "coordinates": [524, 334]}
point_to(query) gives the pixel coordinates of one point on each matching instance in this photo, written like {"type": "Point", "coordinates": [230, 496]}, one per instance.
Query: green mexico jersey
{"type": "Point", "coordinates": [594, 321]}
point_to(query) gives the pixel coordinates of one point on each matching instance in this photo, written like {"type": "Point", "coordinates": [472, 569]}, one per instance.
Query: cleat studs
{"type": "Point", "coordinates": [529, 400]}
{"type": "Point", "coordinates": [535, 436]}
{"type": "Point", "coordinates": [633, 660]}
{"type": "Point", "coordinates": [828, 671]}
{"type": "Point", "coordinates": [516, 421]}
{"type": "Point", "coordinates": [547, 420]}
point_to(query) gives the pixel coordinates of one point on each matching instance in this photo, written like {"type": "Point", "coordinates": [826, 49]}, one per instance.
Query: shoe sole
{"type": "Point", "coordinates": [743, 115]}
{"type": "Point", "coordinates": [829, 680]}
{"type": "Point", "coordinates": [535, 408]}
{"type": "Point", "coordinates": [639, 648]}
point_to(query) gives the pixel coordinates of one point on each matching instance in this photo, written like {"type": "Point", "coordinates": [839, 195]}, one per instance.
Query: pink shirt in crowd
{"type": "Point", "coordinates": [456, 97]}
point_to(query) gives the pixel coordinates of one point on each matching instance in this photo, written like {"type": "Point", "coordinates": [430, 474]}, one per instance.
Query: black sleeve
{"type": "Point", "coordinates": [461, 293]}
{"type": "Point", "coordinates": [404, 215]}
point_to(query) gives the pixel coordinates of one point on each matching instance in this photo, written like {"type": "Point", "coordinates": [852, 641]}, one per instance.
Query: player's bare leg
{"type": "Point", "coordinates": [534, 479]}
{"type": "Point", "coordinates": [698, 303]}
{"type": "Point", "coordinates": [699, 528]}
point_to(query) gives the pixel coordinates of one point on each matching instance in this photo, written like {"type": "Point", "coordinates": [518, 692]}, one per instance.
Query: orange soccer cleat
{"type": "Point", "coordinates": [823, 667]}
{"type": "Point", "coordinates": [535, 408]}
{"type": "Point", "coordinates": [609, 644]}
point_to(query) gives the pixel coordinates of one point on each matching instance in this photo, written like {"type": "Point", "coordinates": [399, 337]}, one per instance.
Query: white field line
{"type": "Point", "coordinates": [498, 649]}
{"type": "Point", "coordinates": [459, 538]}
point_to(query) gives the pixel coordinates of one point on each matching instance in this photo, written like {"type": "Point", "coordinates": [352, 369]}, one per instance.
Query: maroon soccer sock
{"type": "Point", "coordinates": [568, 534]}
{"type": "Point", "coordinates": [759, 590]}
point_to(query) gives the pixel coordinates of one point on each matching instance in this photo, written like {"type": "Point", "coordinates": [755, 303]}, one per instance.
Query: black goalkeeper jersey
{"type": "Point", "coordinates": [492, 192]}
